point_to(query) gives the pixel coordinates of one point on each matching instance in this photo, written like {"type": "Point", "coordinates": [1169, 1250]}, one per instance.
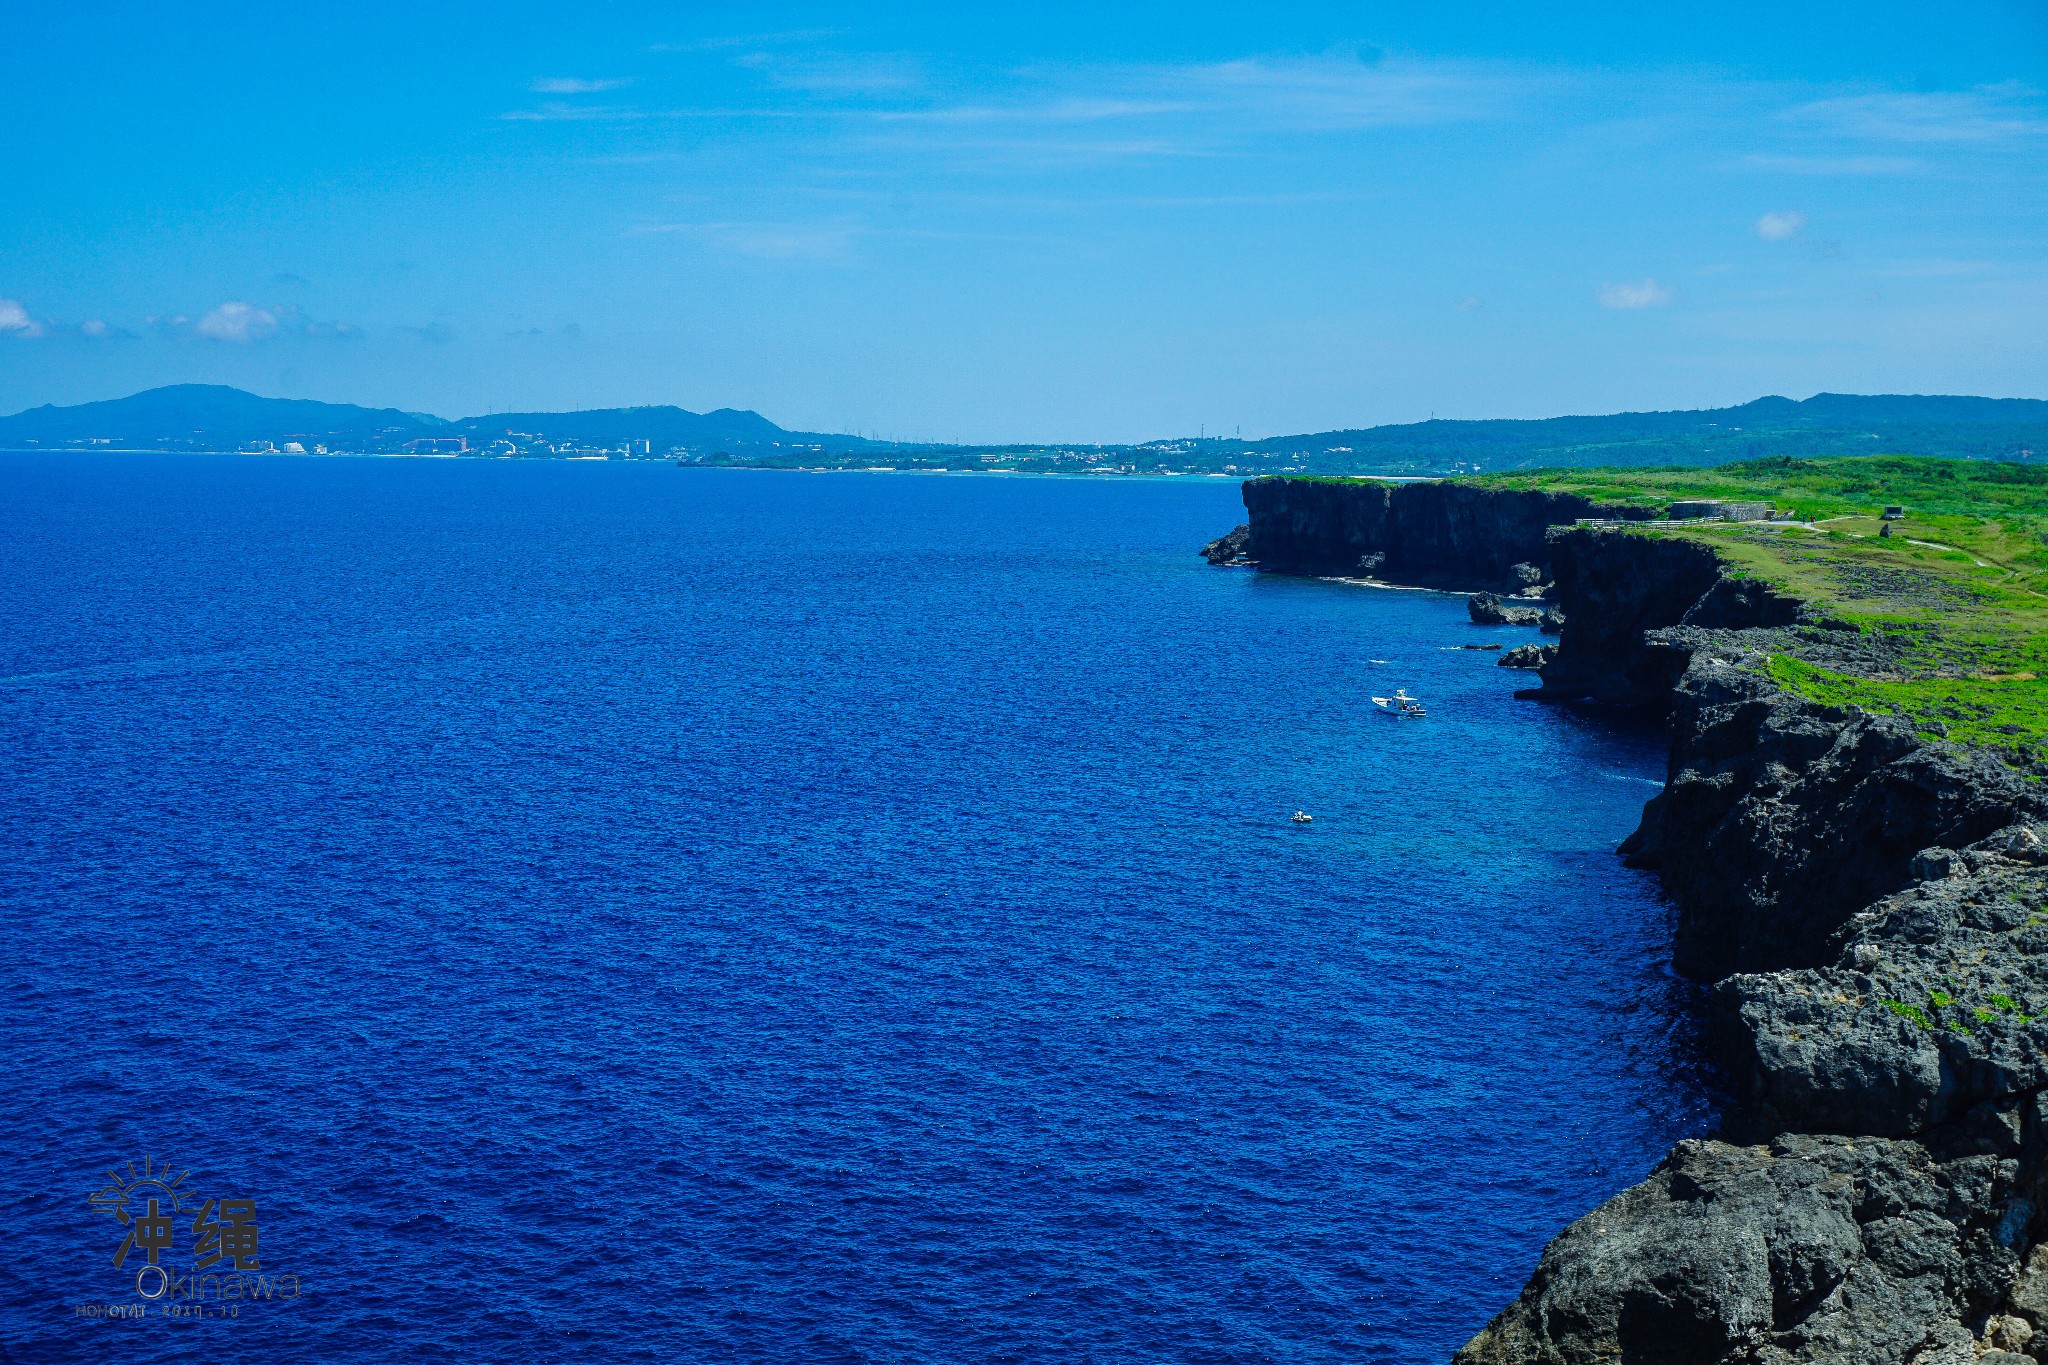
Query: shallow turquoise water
{"type": "Point", "coordinates": [615, 912]}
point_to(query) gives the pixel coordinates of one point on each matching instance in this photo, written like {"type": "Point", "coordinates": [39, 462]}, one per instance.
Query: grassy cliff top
{"type": "Point", "coordinates": [1953, 603]}
{"type": "Point", "coordinates": [1827, 487]}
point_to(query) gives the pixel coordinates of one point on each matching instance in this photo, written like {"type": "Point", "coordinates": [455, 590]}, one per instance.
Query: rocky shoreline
{"type": "Point", "coordinates": [1872, 908]}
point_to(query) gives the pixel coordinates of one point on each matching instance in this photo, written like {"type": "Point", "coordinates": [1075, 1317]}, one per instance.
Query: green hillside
{"type": "Point", "coordinates": [1953, 604]}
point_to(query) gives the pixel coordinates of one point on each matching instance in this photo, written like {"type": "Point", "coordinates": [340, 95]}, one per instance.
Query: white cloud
{"type": "Point", "coordinates": [1345, 92]}
{"type": "Point", "coordinates": [1648, 294]}
{"type": "Point", "coordinates": [571, 85]}
{"type": "Point", "coordinates": [94, 327]}
{"type": "Point", "coordinates": [237, 322]}
{"type": "Point", "coordinates": [240, 324]}
{"type": "Point", "coordinates": [15, 321]}
{"type": "Point", "coordinates": [1776, 227]}
{"type": "Point", "coordinates": [1326, 93]}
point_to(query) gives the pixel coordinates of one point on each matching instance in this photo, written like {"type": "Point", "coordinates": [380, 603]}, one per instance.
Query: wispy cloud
{"type": "Point", "coordinates": [572, 85]}
{"type": "Point", "coordinates": [1990, 115]}
{"type": "Point", "coordinates": [1086, 116]}
{"type": "Point", "coordinates": [1344, 92]}
{"type": "Point", "coordinates": [1045, 150]}
{"type": "Point", "coordinates": [1060, 115]}
{"type": "Point", "coordinates": [558, 111]}
{"type": "Point", "coordinates": [837, 74]}
{"type": "Point", "coordinates": [1779, 227]}
{"type": "Point", "coordinates": [1836, 165]}
{"type": "Point", "coordinates": [1648, 294]}
{"type": "Point", "coordinates": [764, 241]}
{"type": "Point", "coordinates": [15, 320]}
{"type": "Point", "coordinates": [749, 40]}
{"type": "Point", "coordinates": [1328, 92]}
{"type": "Point", "coordinates": [1055, 111]}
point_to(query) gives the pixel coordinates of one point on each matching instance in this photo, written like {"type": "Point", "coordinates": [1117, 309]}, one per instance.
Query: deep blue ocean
{"type": "Point", "coordinates": [615, 912]}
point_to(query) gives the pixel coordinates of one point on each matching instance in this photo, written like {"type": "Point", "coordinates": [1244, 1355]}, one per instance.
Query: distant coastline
{"type": "Point", "coordinates": [218, 419]}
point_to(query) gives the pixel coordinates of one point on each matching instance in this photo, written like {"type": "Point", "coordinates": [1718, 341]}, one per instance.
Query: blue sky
{"type": "Point", "coordinates": [1051, 224]}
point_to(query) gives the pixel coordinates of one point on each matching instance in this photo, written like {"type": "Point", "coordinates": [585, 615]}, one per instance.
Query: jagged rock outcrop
{"type": "Point", "coordinates": [1808, 1249]}
{"type": "Point", "coordinates": [1528, 656]}
{"type": "Point", "coordinates": [1780, 819]}
{"type": "Point", "coordinates": [1935, 1002]}
{"type": "Point", "coordinates": [1487, 609]}
{"type": "Point", "coordinates": [1232, 549]}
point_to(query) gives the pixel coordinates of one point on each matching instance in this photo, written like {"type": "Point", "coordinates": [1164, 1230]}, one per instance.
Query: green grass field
{"type": "Point", "coordinates": [1959, 588]}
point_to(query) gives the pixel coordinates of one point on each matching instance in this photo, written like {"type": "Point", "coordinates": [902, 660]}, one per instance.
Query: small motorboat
{"type": "Point", "coordinates": [1302, 817]}
{"type": "Point", "coordinates": [1400, 704]}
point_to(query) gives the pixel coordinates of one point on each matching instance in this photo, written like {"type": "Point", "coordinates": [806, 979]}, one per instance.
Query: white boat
{"type": "Point", "coordinates": [1302, 817]}
{"type": "Point", "coordinates": [1400, 704]}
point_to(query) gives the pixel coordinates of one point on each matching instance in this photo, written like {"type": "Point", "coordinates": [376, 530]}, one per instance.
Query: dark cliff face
{"type": "Point", "coordinates": [1780, 820]}
{"type": "Point", "coordinates": [1614, 586]}
{"type": "Point", "coordinates": [1882, 989]}
{"type": "Point", "coordinates": [1877, 1196]}
{"type": "Point", "coordinates": [1428, 534]}
{"type": "Point", "coordinates": [1882, 1001]}
{"type": "Point", "coordinates": [1636, 605]}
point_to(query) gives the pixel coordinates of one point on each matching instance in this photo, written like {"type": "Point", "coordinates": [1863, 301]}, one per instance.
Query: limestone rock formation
{"type": "Point", "coordinates": [1488, 609]}
{"type": "Point", "coordinates": [1528, 656]}
{"type": "Point", "coordinates": [1233, 548]}
{"type": "Point", "coordinates": [1806, 1249]}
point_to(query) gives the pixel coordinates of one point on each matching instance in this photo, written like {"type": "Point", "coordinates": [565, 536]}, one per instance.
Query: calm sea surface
{"type": "Point", "coordinates": [616, 912]}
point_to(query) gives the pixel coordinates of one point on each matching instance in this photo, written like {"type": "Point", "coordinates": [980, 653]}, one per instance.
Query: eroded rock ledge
{"type": "Point", "coordinates": [1873, 910]}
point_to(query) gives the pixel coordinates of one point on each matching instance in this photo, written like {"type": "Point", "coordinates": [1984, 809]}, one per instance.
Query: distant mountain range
{"type": "Point", "coordinates": [210, 416]}
{"type": "Point", "coordinates": [1825, 424]}
{"type": "Point", "coordinates": [215, 417]}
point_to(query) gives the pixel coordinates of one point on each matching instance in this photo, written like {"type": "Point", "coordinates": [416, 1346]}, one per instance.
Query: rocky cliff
{"type": "Point", "coordinates": [1873, 908]}
{"type": "Point", "coordinates": [1432, 534]}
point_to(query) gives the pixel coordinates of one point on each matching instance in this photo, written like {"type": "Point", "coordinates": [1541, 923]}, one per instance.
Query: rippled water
{"type": "Point", "coordinates": [614, 912]}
